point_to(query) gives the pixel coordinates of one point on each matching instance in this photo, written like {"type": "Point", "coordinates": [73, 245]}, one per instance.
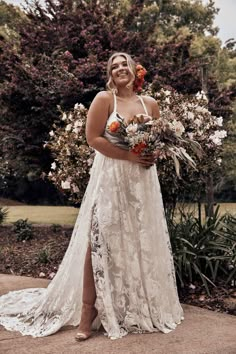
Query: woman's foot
{"type": "Point", "coordinates": [89, 313]}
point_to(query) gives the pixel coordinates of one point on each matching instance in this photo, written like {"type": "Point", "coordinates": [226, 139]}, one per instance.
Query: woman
{"type": "Point", "coordinates": [128, 280]}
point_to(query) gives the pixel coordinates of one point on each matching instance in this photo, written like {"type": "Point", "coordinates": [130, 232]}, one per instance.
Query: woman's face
{"type": "Point", "coordinates": [120, 72]}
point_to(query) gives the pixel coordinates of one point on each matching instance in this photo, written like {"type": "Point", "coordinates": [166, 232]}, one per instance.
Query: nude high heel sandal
{"type": "Point", "coordinates": [88, 312]}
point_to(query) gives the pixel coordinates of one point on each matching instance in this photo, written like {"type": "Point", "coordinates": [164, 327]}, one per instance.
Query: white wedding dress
{"type": "Point", "coordinates": [122, 216]}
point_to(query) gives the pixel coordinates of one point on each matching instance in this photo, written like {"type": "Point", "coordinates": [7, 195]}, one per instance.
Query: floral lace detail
{"type": "Point", "coordinates": [122, 216]}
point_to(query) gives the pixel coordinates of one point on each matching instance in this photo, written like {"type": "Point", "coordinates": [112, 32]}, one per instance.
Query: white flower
{"type": "Point", "coordinates": [201, 96]}
{"type": "Point", "coordinates": [51, 133]}
{"type": "Point", "coordinates": [198, 122]}
{"type": "Point", "coordinates": [167, 100]}
{"type": "Point", "coordinates": [64, 116]}
{"type": "Point", "coordinates": [218, 136]}
{"type": "Point", "coordinates": [70, 117]}
{"type": "Point", "coordinates": [68, 127]}
{"type": "Point", "coordinates": [219, 121]}
{"type": "Point", "coordinates": [78, 123]}
{"type": "Point", "coordinates": [190, 135]}
{"type": "Point", "coordinates": [50, 174]}
{"type": "Point", "coordinates": [201, 109]}
{"type": "Point", "coordinates": [219, 161]}
{"type": "Point", "coordinates": [76, 106]}
{"type": "Point", "coordinates": [178, 127]}
{"type": "Point", "coordinates": [76, 130]}
{"type": "Point", "coordinates": [53, 166]}
{"type": "Point", "coordinates": [167, 92]}
{"type": "Point", "coordinates": [131, 129]}
{"type": "Point", "coordinates": [65, 184]}
{"type": "Point", "coordinates": [190, 115]}
{"type": "Point", "coordinates": [81, 106]}
{"type": "Point", "coordinates": [75, 188]}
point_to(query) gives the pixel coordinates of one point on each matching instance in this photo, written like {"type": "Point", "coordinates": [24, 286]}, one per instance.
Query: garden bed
{"type": "Point", "coordinates": [42, 255]}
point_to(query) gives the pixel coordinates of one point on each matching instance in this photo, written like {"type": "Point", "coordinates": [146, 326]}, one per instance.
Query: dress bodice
{"type": "Point", "coordinates": [117, 138]}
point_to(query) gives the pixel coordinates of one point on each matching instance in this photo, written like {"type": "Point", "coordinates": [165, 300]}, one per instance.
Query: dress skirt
{"type": "Point", "coordinates": [122, 217]}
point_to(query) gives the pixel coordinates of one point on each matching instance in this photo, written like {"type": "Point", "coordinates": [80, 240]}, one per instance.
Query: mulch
{"type": "Point", "coordinates": [42, 255]}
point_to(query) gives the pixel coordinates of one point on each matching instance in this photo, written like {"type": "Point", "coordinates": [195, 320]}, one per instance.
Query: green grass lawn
{"type": "Point", "coordinates": [67, 215]}
{"type": "Point", "coordinates": [43, 214]}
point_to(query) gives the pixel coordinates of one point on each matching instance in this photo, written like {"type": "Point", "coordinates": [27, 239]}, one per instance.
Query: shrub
{"type": "Point", "coordinates": [23, 230]}
{"type": "Point", "coordinates": [44, 256]}
{"type": "Point", "coordinates": [204, 251]}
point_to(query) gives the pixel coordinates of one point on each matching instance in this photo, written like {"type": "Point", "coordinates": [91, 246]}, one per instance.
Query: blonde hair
{"type": "Point", "coordinates": [111, 86]}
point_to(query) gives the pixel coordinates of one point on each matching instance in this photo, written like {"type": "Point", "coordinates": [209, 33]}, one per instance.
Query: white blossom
{"type": "Point", "coordinates": [178, 127]}
{"type": "Point", "coordinates": [219, 121]}
{"type": "Point", "coordinates": [64, 116]}
{"type": "Point", "coordinates": [78, 123]}
{"type": "Point", "coordinates": [219, 161]}
{"type": "Point", "coordinates": [53, 166]}
{"type": "Point", "coordinates": [190, 115]}
{"type": "Point", "coordinates": [167, 92]}
{"type": "Point", "coordinates": [76, 106]}
{"type": "Point", "coordinates": [75, 188]}
{"type": "Point", "coordinates": [218, 136]}
{"type": "Point", "coordinates": [76, 130]}
{"type": "Point", "coordinates": [198, 122]}
{"type": "Point", "coordinates": [190, 135]}
{"type": "Point", "coordinates": [65, 184]}
{"type": "Point", "coordinates": [132, 128]}
{"type": "Point", "coordinates": [68, 127]}
{"type": "Point", "coordinates": [51, 133]}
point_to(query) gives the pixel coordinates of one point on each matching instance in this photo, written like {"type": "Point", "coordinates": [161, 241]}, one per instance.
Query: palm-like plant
{"type": "Point", "coordinates": [204, 250]}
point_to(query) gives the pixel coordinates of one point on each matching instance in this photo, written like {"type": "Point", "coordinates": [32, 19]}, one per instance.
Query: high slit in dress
{"type": "Point", "coordinates": [122, 217]}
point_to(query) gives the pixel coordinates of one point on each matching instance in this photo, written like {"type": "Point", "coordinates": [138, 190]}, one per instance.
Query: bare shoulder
{"type": "Point", "coordinates": [153, 106]}
{"type": "Point", "coordinates": [104, 96]}
{"type": "Point", "coordinates": [149, 100]}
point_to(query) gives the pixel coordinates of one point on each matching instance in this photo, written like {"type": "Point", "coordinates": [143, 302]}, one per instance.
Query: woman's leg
{"type": "Point", "coordinates": [89, 312]}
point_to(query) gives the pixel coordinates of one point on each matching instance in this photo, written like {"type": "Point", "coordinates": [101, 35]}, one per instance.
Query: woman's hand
{"type": "Point", "coordinates": [145, 161]}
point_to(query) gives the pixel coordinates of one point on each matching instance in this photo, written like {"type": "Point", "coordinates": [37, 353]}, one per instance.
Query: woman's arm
{"type": "Point", "coordinates": [96, 121]}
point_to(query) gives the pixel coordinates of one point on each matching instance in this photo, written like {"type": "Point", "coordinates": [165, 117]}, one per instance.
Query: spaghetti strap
{"type": "Point", "coordinates": [115, 103]}
{"type": "Point", "coordinates": [144, 106]}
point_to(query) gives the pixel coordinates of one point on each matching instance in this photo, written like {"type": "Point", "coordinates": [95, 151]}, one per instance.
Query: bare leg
{"type": "Point", "coordinates": [89, 312]}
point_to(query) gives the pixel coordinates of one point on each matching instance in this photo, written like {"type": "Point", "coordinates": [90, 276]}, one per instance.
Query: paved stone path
{"type": "Point", "coordinates": [202, 332]}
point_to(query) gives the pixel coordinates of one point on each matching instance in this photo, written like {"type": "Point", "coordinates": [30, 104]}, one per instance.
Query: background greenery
{"type": "Point", "coordinates": [56, 55]}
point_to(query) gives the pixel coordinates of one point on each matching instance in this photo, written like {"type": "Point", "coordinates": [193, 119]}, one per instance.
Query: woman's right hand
{"type": "Point", "coordinates": [145, 161]}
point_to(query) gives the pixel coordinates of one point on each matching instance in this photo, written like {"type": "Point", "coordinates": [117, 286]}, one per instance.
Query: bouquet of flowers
{"type": "Point", "coordinates": [161, 137]}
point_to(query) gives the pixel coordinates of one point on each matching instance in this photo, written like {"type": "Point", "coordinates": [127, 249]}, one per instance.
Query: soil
{"type": "Point", "coordinates": [42, 255]}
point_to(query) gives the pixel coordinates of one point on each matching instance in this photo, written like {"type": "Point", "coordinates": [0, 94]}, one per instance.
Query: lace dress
{"type": "Point", "coordinates": [122, 216]}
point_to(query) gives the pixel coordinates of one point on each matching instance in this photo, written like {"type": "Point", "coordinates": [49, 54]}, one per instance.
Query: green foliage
{"type": "Point", "coordinates": [3, 214]}
{"type": "Point", "coordinates": [60, 59]}
{"type": "Point", "coordinates": [23, 230]}
{"type": "Point", "coordinates": [44, 256]}
{"type": "Point", "coordinates": [204, 250]}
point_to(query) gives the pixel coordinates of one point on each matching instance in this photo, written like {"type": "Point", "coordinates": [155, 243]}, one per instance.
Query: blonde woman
{"type": "Point", "coordinates": [118, 270]}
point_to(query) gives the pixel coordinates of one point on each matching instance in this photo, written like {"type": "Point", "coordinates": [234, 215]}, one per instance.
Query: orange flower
{"type": "Point", "coordinates": [139, 80]}
{"type": "Point", "coordinates": [114, 126]}
{"type": "Point", "coordinates": [138, 148]}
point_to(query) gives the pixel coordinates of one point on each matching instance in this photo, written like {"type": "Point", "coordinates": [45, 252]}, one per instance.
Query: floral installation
{"type": "Point", "coordinates": [73, 157]}
{"type": "Point", "coordinates": [185, 120]}
{"type": "Point", "coordinates": [139, 78]}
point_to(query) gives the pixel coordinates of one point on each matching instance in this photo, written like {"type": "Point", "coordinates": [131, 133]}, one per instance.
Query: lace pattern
{"type": "Point", "coordinates": [122, 216]}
